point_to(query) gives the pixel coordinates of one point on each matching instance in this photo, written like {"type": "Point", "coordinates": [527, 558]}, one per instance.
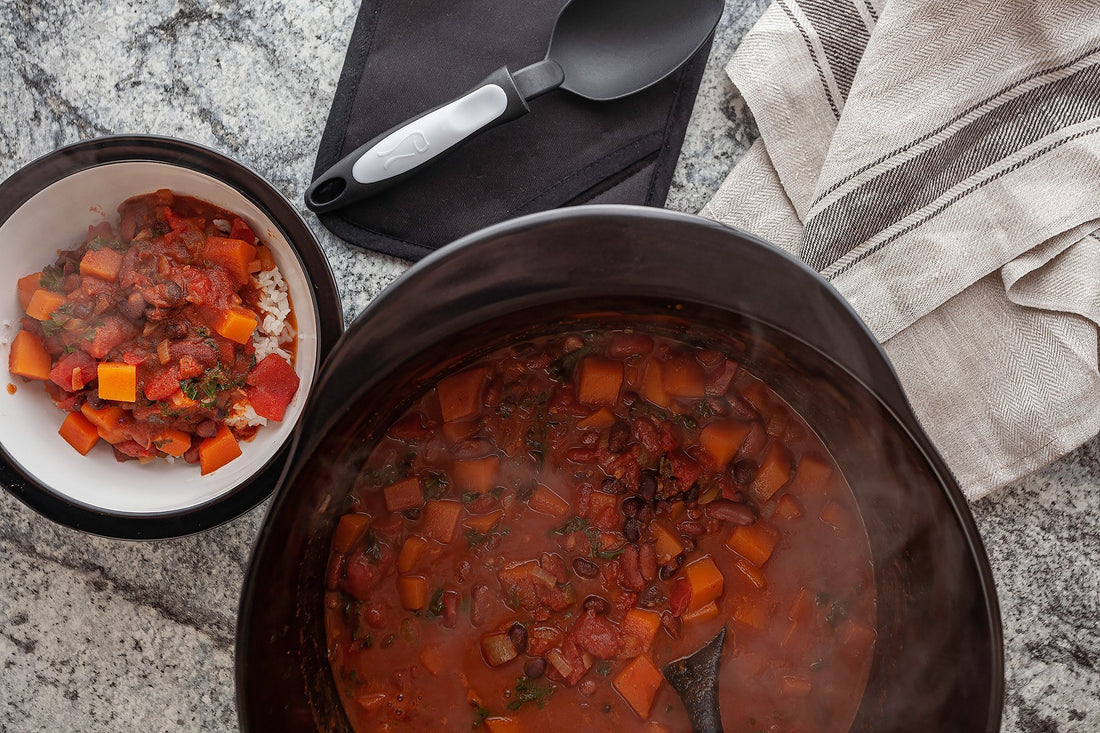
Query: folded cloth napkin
{"type": "Point", "coordinates": [939, 163]}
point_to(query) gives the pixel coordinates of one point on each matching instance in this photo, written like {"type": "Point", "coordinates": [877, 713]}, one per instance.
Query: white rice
{"type": "Point", "coordinates": [270, 337]}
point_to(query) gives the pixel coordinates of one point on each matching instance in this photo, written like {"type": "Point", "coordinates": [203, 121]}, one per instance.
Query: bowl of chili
{"type": "Point", "coordinates": [176, 308]}
{"type": "Point", "coordinates": [607, 437]}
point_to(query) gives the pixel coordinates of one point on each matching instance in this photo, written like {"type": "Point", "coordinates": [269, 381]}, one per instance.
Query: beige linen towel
{"type": "Point", "coordinates": [939, 163]}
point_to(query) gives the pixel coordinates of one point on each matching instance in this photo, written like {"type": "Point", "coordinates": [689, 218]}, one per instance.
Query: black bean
{"type": "Point", "coordinates": [692, 495]}
{"type": "Point", "coordinates": [534, 668]}
{"type": "Point", "coordinates": [517, 634]}
{"type": "Point", "coordinates": [176, 330]}
{"type": "Point", "coordinates": [664, 506]}
{"type": "Point", "coordinates": [596, 604]}
{"type": "Point", "coordinates": [744, 471]}
{"type": "Point", "coordinates": [632, 530]}
{"type": "Point", "coordinates": [95, 403]}
{"type": "Point", "coordinates": [688, 543]}
{"type": "Point", "coordinates": [670, 568]}
{"type": "Point", "coordinates": [632, 506]}
{"type": "Point", "coordinates": [618, 437]}
{"type": "Point", "coordinates": [651, 596]}
{"type": "Point", "coordinates": [585, 568]}
{"type": "Point", "coordinates": [629, 398]}
{"type": "Point", "coordinates": [647, 485]}
{"type": "Point", "coordinates": [412, 513]}
{"type": "Point", "coordinates": [612, 486]}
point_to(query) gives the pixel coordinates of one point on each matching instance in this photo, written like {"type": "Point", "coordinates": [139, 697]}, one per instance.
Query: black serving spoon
{"type": "Point", "coordinates": [695, 679]}
{"type": "Point", "coordinates": [600, 50]}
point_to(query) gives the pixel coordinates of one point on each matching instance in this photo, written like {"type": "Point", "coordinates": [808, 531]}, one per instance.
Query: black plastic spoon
{"type": "Point", "coordinates": [695, 679]}
{"type": "Point", "coordinates": [600, 50]}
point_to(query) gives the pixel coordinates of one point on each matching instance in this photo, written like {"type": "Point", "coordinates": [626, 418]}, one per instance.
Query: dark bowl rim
{"type": "Point", "coordinates": [897, 405]}
{"type": "Point", "coordinates": [48, 169]}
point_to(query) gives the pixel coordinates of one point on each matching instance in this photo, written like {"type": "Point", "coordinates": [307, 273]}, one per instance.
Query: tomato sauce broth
{"type": "Point", "coordinates": [538, 536]}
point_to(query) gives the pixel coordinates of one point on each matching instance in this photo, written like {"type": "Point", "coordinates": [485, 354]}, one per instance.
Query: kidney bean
{"type": "Point", "coordinates": [671, 624]}
{"type": "Point", "coordinates": [626, 345]}
{"type": "Point", "coordinates": [618, 437]}
{"type": "Point", "coordinates": [744, 471]}
{"type": "Point", "coordinates": [691, 527]}
{"type": "Point", "coordinates": [651, 597]}
{"type": "Point", "coordinates": [585, 568]}
{"type": "Point", "coordinates": [596, 604]}
{"type": "Point", "coordinates": [451, 600]}
{"type": "Point", "coordinates": [480, 600]}
{"type": "Point", "coordinates": [647, 559]}
{"type": "Point", "coordinates": [534, 668]}
{"type": "Point", "coordinates": [730, 511]}
{"type": "Point", "coordinates": [517, 634]}
{"type": "Point", "coordinates": [630, 564]}
{"type": "Point", "coordinates": [206, 429]}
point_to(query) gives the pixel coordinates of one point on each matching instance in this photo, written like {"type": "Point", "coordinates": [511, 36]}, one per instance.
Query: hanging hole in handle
{"type": "Point", "coordinates": [328, 191]}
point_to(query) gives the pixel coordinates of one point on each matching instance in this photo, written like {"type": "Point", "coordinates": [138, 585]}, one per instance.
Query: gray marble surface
{"type": "Point", "coordinates": [101, 635]}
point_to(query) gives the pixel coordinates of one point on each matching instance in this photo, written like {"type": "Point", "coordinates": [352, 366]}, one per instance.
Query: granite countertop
{"type": "Point", "coordinates": [102, 635]}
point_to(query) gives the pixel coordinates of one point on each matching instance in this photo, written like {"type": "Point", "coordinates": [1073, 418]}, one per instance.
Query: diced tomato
{"type": "Point", "coordinates": [111, 333]}
{"type": "Point", "coordinates": [163, 384]}
{"type": "Point", "coordinates": [597, 636]}
{"type": "Point", "coordinates": [63, 375]}
{"type": "Point", "coordinates": [271, 385]}
{"type": "Point", "coordinates": [242, 231]}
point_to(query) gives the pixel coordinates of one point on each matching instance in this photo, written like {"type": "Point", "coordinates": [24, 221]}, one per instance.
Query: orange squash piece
{"type": "Point", "coordinates": [348, 530]}
{"type": "Point", "coordinates": [476, 474]}
{"type": "Point", "coordinates": [753, 612]}
{"type": "Point", "coordinates": [117, 381]}
{"type": "Point", "coordinates": [653, 385]}
{"type": "Point", "coordinates": [43, 303]}
{"type": "Point", "coordinates": [26, 286]}
{"type": "Point", "coordinates": [28, 357]}
{"type": "Point", "coordinates": [413, 591]}
{"type": "Point", "coordinates": [237, 324]}
{"type": "Point", "coordinates": [546, 501]}
{"type": "Point", "coordinates": [600, 381]}
{"type": "Point", "coordinates": [811, 478]}
{"type": "Point", "coordinates": [404, 495]}
{"type": "Point", "coordinates": [668, 544]}
{"type": "Point", "coordinates": [173, 442]}
{"type": "Point", "coordinates": [703, 613]}
{"type": "Point", "coordinates": [79, 433]}
{"type": "Point", "coordinates": [456, 432]}
{"type": "Point", "coordinates": [102, 263]}
{"type": "Point", "coordinates": [483, 523]}
{"type": "Point", "coordinates": [460, 394]}
{"type": "Point", "coordinates": [705, 580]}
{"type": "Point", "coordinates": [754, 542]}
{"type": "Point", "coordinates": [108, 417]}
{"type": "Point", "coordinates": [441, 519]}
{"type": "Point", "coordinates": [410, 554]}
{"type": "Point", "coordinates": [682, 376]}
{"type": "Point", "coordinates": [775, 471]}
{"type": "Point", "coordinates": [217, 451]}
{"type": "Point", "coordinates": [640, 627]}
{"type": "Point", "coordinates": [232, 255]}
{"type": "Point", "coordinates": [601, 418]}
{"type": "Point", "coordinates": [722, 439]}
{"type": "Point", "coordinates": [638, 683]}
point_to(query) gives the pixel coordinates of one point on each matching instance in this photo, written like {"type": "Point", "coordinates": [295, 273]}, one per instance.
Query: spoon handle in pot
{"type": "Point", "coordinates": [402, 150]}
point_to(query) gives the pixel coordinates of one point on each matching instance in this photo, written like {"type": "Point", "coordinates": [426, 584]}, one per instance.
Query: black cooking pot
{"type": "Point", "coordinates": [938, 661]}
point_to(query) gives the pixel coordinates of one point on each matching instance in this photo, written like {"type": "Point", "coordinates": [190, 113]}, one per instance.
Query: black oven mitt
{"type": "Point", "coordinates": [408, 56]}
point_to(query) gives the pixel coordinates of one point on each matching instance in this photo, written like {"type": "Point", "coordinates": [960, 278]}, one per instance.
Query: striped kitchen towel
{"type": "Point", "coordinates": [939, 163]}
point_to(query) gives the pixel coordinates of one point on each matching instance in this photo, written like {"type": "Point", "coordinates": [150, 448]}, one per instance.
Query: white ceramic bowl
{"type": "Point", "coordinates": [48, 206]}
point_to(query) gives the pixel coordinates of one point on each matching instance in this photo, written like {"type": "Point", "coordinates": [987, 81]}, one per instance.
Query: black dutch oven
{"type": "Point", "coordinates": [938, 662]}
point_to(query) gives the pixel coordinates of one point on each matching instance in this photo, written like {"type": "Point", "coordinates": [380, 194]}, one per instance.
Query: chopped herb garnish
{"type": "Point", "coordinates": [497, 491]}
{"type": "Point", "coordinates": [595, 550]}
{"type": "Point", "coordinates": [100, 242]}
{"type": "Point", "coordinates": [435, 605]}
{"type": "Point", "coordinates": [469, 497]}
{"type": "Point", "coordinates": [51, 278]}
{"type": "Point", "coordinates": [702, 410]}
{"type": "Point", "coordinates": [561, 370]}
{"type": "Point", "coordinates": [686, 421]}
{"type": "Point", "coordinates": [391, 638]}
{"type": "Point", "coordinates": [603, 668]}
{"type": "Point", "coordinates": [477, 539]}
{"type": "Point", "coordinates": [575, 524]}
{"type": "Point", "coordinates": [837, 611]}
{"type": "Point", "coordinates": [480, 714]}
{"type": "Point", "coordinates": [371, 549]}
{"type": "Point", "coordinates": [435, 486]}
{"type": "Point", "coordinates": [528, 690]}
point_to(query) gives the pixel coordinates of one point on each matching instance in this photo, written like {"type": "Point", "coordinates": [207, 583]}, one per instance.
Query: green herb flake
{"type": "Point", "coordinates": [603, 668]}
{"type": "Point", "coordinates": [575, 524]}
{"type": "Point", "coordinates": [528, 690]}
{"type": "Point", "coordinates": [371, 549]}
{"type": "Point", "coordinates": [390, 639]}
{"type": "Point", "coordinates": [51, 278]}
{"type": "Point", "coordinates": [480, 714]}
{"type": "Point", "coordinates": [101, 242]}
{"type": "Point", "coordinates": [435, 486]}
{"type": "Point", "coordinates": [594, 549]}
